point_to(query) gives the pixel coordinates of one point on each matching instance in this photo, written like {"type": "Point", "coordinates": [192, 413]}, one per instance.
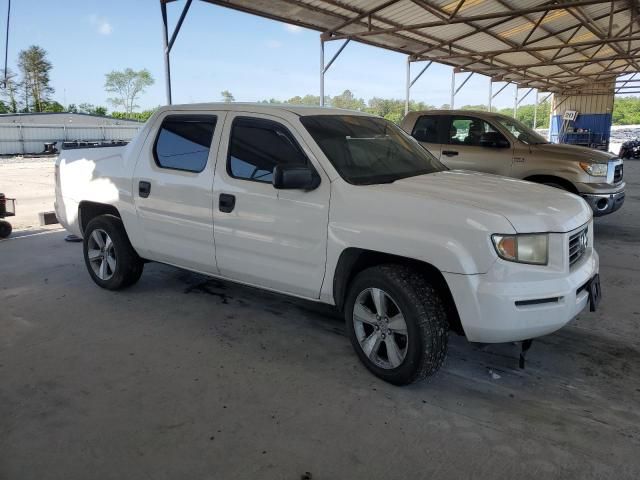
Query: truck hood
{"type": "Point", "coordinates": [529, 207]}
{"type": "Point", "coordinates": [573, 152]}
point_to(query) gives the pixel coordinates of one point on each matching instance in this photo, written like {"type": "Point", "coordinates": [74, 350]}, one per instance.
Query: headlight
{"type": "Point", "coordinates": [523, 248]}
{"type": "Point", "coordinates": [595, 169]}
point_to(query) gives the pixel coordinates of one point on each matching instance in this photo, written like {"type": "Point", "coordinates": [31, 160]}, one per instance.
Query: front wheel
{"type": "Point", "coordinates": [110, 259]}
{"type": "Point", "coordinates": [397, 323]}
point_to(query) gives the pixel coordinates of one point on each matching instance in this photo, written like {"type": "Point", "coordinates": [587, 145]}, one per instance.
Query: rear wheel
{"type": "Point", "coordinates": [110, 259]}
{"type": "Point", "coordinates": [397, 323]}
{"type": "Point", "coordinates": [5, 229]}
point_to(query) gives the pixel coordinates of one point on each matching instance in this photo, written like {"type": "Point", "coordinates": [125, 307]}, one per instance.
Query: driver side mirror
{"type": "Point", "coordinates": [289, 177]}
{"type": "Point", "coordinates": [494, 140]}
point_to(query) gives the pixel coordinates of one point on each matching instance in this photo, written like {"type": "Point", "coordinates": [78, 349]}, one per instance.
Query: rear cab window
{"type": "Point", "coordinates": [183, 142]}
{"type": "Point", "coordinates": [427, 129]}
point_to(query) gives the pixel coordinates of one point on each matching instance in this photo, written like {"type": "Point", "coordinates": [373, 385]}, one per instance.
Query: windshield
{"type": "Point", "coordinates": [369, 150]}
{"type": "Point", "coordinates": [520, 131]}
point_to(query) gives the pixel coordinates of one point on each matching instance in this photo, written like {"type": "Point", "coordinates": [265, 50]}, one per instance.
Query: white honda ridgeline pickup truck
{"type": "Point", "coordinates": [337, 207]}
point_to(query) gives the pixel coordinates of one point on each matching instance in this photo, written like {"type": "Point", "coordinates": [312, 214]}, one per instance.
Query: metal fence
{"type": "Point", "coordinates": [18, 139]}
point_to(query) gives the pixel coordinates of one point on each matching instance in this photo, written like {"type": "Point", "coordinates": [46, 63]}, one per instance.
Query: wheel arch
{"type": "Point", "coordinates": [354, 260]}
{"type": "Point", "coordinates": [570, 187]}
{"type": "Point", "coordinates": [87, 211]}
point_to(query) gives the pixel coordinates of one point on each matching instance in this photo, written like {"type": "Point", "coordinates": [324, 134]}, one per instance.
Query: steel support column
{"type": "Point", "coordinates": [324, 68]}
{"type": "Point", "coordinates": [490, 95]}
{"type": "Point", "coordinates": [168, 43]}
{"type": "Point", "coordinates": [165, 50]}
{"type": "Point", "coordinates": [454, 90]}
{"type": "Point", "coordinates": [409, 82]}
{"type": "Point", "coordinates": [535, 111]}
{"type": "Point", "coordinates": [6, 45]}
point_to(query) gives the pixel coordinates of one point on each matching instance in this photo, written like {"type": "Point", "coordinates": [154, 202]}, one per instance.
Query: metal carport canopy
{"type": "Point", "coordinates": [556, 46]}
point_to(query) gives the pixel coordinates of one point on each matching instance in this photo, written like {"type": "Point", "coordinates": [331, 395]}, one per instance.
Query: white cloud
{"type": "Point", "coordinates": [293, 28]}
{"type": "Point", "coordinates": [101, 24]}
{"type": "Point", "coordinates": [274, 44]}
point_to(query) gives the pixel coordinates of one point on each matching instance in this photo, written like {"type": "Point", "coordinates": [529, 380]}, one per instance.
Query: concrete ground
{"type": "Point", "coordinates": [185, 377]}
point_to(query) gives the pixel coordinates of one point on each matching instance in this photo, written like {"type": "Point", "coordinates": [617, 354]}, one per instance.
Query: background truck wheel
{"type": "Point", "coordinates": [397, 323]}
{"type": "Point", "coordinates": [111, 260]}
{"type": "Point", "coordinates": [5, 229]}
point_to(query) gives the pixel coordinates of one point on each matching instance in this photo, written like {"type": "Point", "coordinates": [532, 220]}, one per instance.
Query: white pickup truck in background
{"type": "Point", "coordinates": [338, 207]}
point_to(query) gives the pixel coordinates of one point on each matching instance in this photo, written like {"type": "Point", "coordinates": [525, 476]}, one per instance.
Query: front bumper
{"type": "Point", "coordinates": [515, 302]}
{"type": "Point", "coordinates": [604, 203]}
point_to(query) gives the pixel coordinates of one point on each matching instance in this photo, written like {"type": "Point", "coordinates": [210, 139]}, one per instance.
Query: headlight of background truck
{"type": "Point", "coordinates": [530, 248]}
{"type": "Point", "coordinates": [595, 169]}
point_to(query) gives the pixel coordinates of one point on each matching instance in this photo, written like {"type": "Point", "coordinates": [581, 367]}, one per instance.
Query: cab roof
{"type": "Point", "coordinates": [265, 108]}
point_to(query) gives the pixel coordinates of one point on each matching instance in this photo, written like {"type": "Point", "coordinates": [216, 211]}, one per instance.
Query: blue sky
{"type": "Point", "coordinates": [217, 49]}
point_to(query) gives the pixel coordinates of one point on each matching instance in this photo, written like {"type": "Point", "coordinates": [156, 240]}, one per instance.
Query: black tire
{"type": "Point", "coordinates": [128, 265]}
{"type": "Point", "coordinates": [5, 229]}
{"type": "Point", "coordinates": [424, 313]}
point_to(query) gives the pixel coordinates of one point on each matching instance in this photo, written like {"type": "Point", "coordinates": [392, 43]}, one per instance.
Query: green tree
{"type": "Point", "coordinates": [306, 100]}
{"type": "Point", "coordinates": [52, 106]}
{"type": "Point", "coordinates": [91, 109]}
{"type": "Point", "coordinates": [10, 91]}
{"type": "Point", "coordinates": [474, 107]}
{"type": "Point", "coordinates": [34, 68]}
{"type": "Point", "coordinates": [127, 86]}
{"type": "Point", "coordinates": [139, 116]}
{"type": "Point", "coordinates": [526, 113]}
{"type": "Point", "coordinates": [626, 111]}
{"type": "Point", "coordinates": [348, 100]}
{"type": "Point", "coordinates": [227, 96]}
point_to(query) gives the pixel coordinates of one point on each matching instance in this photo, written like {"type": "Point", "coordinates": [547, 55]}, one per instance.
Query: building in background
{"type": "Point", "coordinates": [28, 133]}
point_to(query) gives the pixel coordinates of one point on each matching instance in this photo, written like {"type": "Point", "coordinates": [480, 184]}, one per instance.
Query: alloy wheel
{"type": "Point", "coordinates": [380, 328]}
{"type": "Point", "coordinates": [102, 256]}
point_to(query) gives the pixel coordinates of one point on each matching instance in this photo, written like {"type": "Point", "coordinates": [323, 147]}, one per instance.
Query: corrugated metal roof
{"type": "Point", "coordinates": [553, 46]}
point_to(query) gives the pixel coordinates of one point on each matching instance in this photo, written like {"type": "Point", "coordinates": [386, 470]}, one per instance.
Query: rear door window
{"type": "Point", "coordinates": [183, 142]}
{"type": "Point", "coordinates": [467, 131]}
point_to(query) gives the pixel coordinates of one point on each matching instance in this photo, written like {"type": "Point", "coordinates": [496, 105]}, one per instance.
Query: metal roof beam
{"type": "Point", "coordinates": [362, 15]}
{"type": "Point", "coordinates": [586, 43]}
{"type": "Point", "coordinates": [436, 11]}
{"type": "Point", "coordinates": [504, 65]}
{"type": "Point", "coordinates": [488, 16]}
{"type": "Point", "coordinates": [580, 25]}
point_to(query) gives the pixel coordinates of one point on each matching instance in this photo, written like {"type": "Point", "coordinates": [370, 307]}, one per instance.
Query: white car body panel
{"type": "Point", "coordinates": [290, 241]}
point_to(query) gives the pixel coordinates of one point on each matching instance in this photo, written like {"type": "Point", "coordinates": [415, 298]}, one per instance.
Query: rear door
{"type": "Point", "coordinates": [266, 237]}
{"type": "Point", "coordinates": [462, 148]}
{"type": "Point", "coordinates": [429, 131]}
{"type": "Point", "coordinates": [173, 189]}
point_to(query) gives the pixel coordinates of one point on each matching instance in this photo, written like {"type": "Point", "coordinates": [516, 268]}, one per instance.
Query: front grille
{"type": "Point", "coordinates": [617, 173]}
{"type": "Point", "coordinates": [578, 245]}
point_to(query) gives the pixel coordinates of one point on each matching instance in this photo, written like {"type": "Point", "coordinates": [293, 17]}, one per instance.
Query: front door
{"type": "Point", "coordinates": [271, 238]}
{"type": "Point", "coordinates": [463, 149]}
{"type": "Point", "coordinates": [173, 188]}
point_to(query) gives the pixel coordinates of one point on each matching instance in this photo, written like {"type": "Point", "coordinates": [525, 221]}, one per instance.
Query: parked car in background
{"type": "Point", "coordinates": [337, 207]}
{"type": "Point", "coordinates": [630, 150]}
{"type": "Point", "coordinates": [498, 144]}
